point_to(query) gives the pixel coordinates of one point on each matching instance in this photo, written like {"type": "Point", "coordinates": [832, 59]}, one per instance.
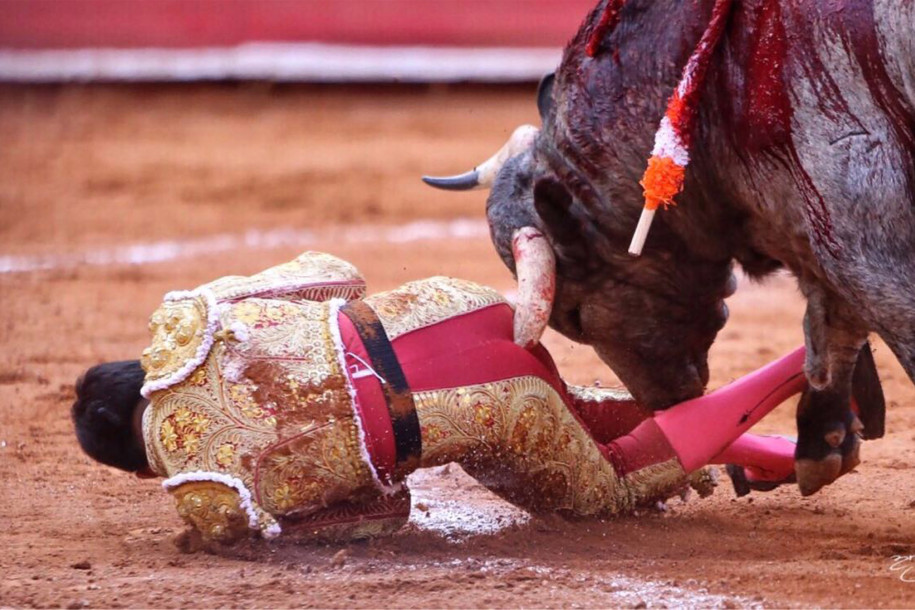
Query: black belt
{"type": "Point", "coordinates": [407, 438]}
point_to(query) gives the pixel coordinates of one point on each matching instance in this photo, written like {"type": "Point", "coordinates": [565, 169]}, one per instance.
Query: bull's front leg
{"type": "Point", "coordinates": [829, 433]}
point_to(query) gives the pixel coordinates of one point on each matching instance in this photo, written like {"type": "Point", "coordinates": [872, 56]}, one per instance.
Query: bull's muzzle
{"type": "Point", "coordinates": [484, 175]}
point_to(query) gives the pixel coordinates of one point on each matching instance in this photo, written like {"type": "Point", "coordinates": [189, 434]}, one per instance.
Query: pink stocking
{"type": "Point", "coordinates": [764, 458]}
{"type": "Point", "coordinates": [700, 430]}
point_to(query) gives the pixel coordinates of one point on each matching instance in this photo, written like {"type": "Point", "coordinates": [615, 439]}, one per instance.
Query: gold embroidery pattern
{"type": "Point", "coordinates": [180, 325]}
{"type": "Point", "coordinates": [189, 425]}
{"type": "Point", "coordinates": [518, 438]}
{"type": "Point", "coordinates": [656, 482]}
{"type": "Point", "coordinates": [313, 276]}
{"type": "Point", "coordinates": [423, 303]}
{"type": "Point", "coordinates": [273, 410]}
{"type": "Point", "coordinates": [213, 509]}
{"type": "Point", "coordinates": [182, 430]}
{"type": "Point", "coordinates": [178, 329]}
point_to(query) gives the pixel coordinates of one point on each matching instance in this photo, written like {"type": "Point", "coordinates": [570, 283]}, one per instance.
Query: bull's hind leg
{"type": "Point", "coordinates": [828, 431]}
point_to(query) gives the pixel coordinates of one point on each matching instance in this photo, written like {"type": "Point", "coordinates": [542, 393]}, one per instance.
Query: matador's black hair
{"type": "Point", "coordinates": [106, 397]}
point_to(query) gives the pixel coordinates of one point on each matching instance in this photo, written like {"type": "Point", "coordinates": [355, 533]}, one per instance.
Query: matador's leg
{"type": "Point", "coordinates": [711, 429]}
{"type": "Point", "coordinates": [763, 458]}
{"type": "Point", "coordinates": [523, 438]}
{"type": "Point", "coordinates": [611, 414]}
{"type": "Point", "coordinates": [520, 438]}
{"type": "Point", "coordinates": [504, 414]}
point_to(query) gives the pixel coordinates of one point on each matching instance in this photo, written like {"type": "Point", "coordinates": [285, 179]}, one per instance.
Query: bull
{"type": "Point", "coordinates": [803, 158]}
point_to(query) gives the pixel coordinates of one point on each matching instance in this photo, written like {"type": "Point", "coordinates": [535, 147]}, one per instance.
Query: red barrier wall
{"type": "Point", "coordinates": [44, 24]}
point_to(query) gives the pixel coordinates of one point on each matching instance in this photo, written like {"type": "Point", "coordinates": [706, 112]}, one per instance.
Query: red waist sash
{"type": "Point", "coordinates": [464, 350]}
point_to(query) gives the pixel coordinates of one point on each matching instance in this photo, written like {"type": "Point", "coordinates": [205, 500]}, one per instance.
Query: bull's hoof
{"type": "Point", "coordinates": [819, 463]}
{"type": "Point", "coordinates": [851, 456]}
{"type": "Point", "coordinates": [813, 476]}
{"type": "Point", "coordinates": [829, 441]}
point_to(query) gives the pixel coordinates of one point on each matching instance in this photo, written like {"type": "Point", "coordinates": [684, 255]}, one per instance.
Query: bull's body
{"type": "Point", "coordinates": [803, 156]}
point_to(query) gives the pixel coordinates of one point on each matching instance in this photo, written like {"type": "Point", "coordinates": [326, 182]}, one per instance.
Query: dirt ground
{"type": "Point", "coordinates": [193, 182]}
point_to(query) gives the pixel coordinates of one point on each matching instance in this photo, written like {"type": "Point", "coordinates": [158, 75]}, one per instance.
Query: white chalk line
{"type": "Point", "coordinates": [271, 239]}
{"type": "Point", "coordinates": [282, 62]}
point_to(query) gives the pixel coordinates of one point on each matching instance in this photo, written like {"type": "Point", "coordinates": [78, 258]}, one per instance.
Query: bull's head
{"type": "Point", "coordinates": [565, 235]}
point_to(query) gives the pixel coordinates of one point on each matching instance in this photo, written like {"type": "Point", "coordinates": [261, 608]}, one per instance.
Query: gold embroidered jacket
{"type": "Point", "coordinates": [250, 415]}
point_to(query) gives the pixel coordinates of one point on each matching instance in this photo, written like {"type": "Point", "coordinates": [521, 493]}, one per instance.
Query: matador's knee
{"type": "Point", "coordinates": [520, 439]}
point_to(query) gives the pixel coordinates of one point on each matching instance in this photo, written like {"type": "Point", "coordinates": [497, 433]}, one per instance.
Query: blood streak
{"type": "Point", "coordinates": [768, 110]}
{"type": "Point", "coordinates": [608, 22]}
{"type": "Point", "coordinates": [768, 115]}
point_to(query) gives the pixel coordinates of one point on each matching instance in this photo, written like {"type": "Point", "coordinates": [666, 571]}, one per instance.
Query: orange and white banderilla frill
{"type": "Point", "coordinates": [666, 172]}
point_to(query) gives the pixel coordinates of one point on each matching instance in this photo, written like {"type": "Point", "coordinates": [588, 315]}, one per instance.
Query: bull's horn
{"type": "Point", "coordinates": [484, 174]}
{"type": "Point", "coordinates": [535, 266]}
{"type": "Point", "coordinates": [462, 182]}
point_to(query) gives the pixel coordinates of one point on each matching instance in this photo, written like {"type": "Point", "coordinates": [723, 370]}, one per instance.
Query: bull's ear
{"type": "Point", "coordinates": [545, 95]}
{"type": "Point", "coordinates": [553, 204]}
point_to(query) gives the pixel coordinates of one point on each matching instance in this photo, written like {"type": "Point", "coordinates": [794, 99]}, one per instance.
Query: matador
{"type": "Point", "coordinates": [289, 401]}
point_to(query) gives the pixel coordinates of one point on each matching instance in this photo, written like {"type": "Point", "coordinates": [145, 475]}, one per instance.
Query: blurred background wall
{"type": "Point", "coordinates": [287, 40]}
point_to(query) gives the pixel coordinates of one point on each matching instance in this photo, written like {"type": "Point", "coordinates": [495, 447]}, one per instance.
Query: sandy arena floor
{"type": "Point", "coordinates": [190, 183]}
